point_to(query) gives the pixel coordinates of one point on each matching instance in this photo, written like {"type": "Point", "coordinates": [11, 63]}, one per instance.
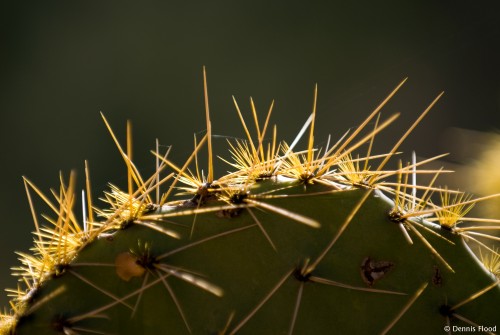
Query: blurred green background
{"type": "Point", "coordinates": [63, 62]}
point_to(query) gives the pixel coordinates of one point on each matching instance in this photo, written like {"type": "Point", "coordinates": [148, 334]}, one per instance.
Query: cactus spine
{"type": "Point", "coordinates": [291, 242]}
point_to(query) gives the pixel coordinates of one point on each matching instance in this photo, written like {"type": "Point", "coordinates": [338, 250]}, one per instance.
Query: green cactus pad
{"type": "Point", "coordinates": [290, 243]}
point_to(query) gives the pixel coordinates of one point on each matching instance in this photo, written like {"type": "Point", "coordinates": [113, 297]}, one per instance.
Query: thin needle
{"type": "Point", "coordinates": [89, 193]}
{"type": "Point", "coordinates": [408, 132]}
{"type": "Point", "coordinates": [311, 132]}
{"type": "Point", "coordinates": [405, 308]}
{"type": "Point", "coordinates": [210, 177]}
{"type": "Point", "coordinates": [129, 161]}
{"type": "Point", "coordinates": [348, 220]}
{"type": "Point", "coordinates": [260, 304]}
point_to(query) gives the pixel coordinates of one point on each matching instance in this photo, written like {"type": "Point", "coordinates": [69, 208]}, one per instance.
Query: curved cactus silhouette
{"type": "Point", "coordinates": [318, 241]}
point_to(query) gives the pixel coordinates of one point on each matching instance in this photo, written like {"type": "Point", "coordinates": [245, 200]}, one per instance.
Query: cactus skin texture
{"type": "Point", "coordinates": [290, 243]}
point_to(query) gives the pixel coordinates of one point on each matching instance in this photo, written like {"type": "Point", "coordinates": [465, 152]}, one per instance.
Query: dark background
{"type": "Point", "coordinates": [62, 62]}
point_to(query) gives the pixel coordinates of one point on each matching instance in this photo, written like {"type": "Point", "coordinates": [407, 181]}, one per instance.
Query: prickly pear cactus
{"type": "Point", "coordinates": [318, 241]}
